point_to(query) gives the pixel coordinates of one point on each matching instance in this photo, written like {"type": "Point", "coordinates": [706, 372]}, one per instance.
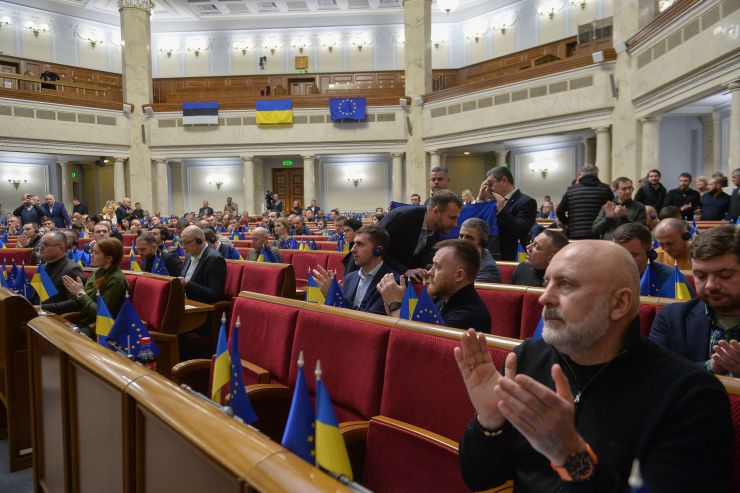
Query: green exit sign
{"type": "Point", "coordinates": [287, 162]}
{"type": "Point", "coordinates": [74, 174]}
{"type": "Point", "coordinates": [301, 71]}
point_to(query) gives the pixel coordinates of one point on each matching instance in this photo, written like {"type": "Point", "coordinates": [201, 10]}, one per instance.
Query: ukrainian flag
{"type": "Point", "coordinates": [331, 453]}
{"type": "Point", "coordinates": [299, 434]}
{"type": "Point", "coordinates": [408, 305]}
{"type": "Point", "coordinates": [133, 264]}
{"type": "Point", "coordinates": [103, 321]}
{"type": "Point", "coordinates": [521, 253]}
{"type": "Point", "coordinates": [221, 365]}
{"type": "Point", "coordinates": [4, 273]}
{"type": "Point", "coordinates": [304, 246]}
{"type": "Point", "coordinates": [274, 112]}
{"type": "Point", "coordinates": [43, 285]}
{"type": "Point", "coordinates": [682, 287]}
{"type": "Point", "coordinates": [266, 255]}
{"type": "Point", "coordinates": [314, 294]}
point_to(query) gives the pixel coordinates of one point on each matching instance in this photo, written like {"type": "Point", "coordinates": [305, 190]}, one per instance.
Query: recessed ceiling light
{"type": "Point", "coordinates": [467, 153]}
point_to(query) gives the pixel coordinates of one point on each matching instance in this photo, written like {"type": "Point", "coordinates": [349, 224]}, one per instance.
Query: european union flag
{"type": "Point", "coordinates": [342, 245]}
{"type": "Point", "coordinates": [266, 255]}
{"type": "Point", "coordinates": [538, 330]}
{"type": "Point", "coordinates": [484, 210]}
{"type": "Point", "coordinates": [21, 284]}
{"type": "Point", "coordinates": [238, 398]}
{"type": "Point", "coordinates": [159, 267]}
{"type": "Point", "coordinates": [13, 274]}
{"type": "Point", "coordinates": [347, 109]}
{"type": "Point", "coordinates": [128, 329]}
{"type": "Point", "coordinates": [299, 434]}
{"type": "Point", "coordinates": [426, 311]}
{"type": "Point", "coordinates": [331, 452]}
{"type": "Point", "coordinates": [334, 296]}
{"type": "Point", "coordinates": [314, 246]}
{"type": "Point", "coordinates": [647, 283]}
{"type": "Point", "coordinates": [179, 252]}
{"type": "Point", "coordinates": [408, 305]}
{"type": "Point", "coordinates": [655, 244]}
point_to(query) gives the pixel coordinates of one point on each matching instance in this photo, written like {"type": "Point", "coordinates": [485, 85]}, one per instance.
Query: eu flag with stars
{"type": "Point", "coordinates": [648, 286]}
{"type": "Point", "coordinates": [128, 329]}
{"type": "Point", "coordinates": [334, 296]}
{"type": "Point", "coordinates": [299, 433]}
{"type": "Point", "coordinates": [159, 267]}
{"type": "Point", "coordinates": [348, 109]}
{"type": "Point", "coordinates": [238, 398]}
{"type": "Point", "coordinates": [426, 311]}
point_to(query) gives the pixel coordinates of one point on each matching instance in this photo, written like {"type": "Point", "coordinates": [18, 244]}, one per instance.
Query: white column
{"type": "Point", "coordinates": [163, 187]}
{"type": "Point", "coordinates": [435, 159]}
{"type": "Point", "coordinates": [309, 180]}
{"type": "Point", "coordinates": [589, 150]}
{"type": "Point", "coordinates": [259, 187]}
{"type": "Point", "coordinates": [397, 176]}
{"type": "Point", "coordinates": [500, 157]}
{"type": "Point", "coordinates": [119, 179]}
{"type": "Point", "coordinates": [650, 145]}
{"type": "Point", "coordinates": [66, 197]}
{"type": "Point", "coordinates": [604, 153]}
{"type": "Point", "coordinates": [248, 184]}
{"type": "Point", "coordinates": [733, 156]}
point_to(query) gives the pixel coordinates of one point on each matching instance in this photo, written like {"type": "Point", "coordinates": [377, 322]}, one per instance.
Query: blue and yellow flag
{"type": "Point", "coordinates": [274, 112]}
{"type": "Point", "coordinates": [676, 286]}
{"type": "Point", "coordinates": [238, 398]}
{"type": "Point", "coordinates": [314, 246]}
{"type": "Point", "coordinates": [342, 245]}
{"type": "Point", "coordinates": [13, 273]}
{"type": "Point", "coordinates": [266, 255]}
{"type": "Point", "coordinates": [290, 244]}
{"type": "Point", "coordinates": [132, 263]}
{"type": "Point", "coordinates": [43, 285]}
{"type": "Point", "coordinates": [300, 429]}
{"type": "Point", "coordinates": [21, 284]}
{"type": "Point", "coordinates": [305, 246]}
{"type": "Point", "coordinates": [4, 274]}
{"type": "Point", "coordinates": [334, 296]}
{"type": "Point", "coordinates": [647, 283]}
{"type": "Point", "coordinates": [221, 366]}
{"type": "Point", "coordinates": [408, 305]}
{"type": "Point", "coordinates": [521, 253]}
{"type": "Point", "coordinates": [103, 321]}
{"type": "Point", "coordinates": [159, 267]}
{"type": "Point", "coordinates": [331, 452]}
{"type": "Point", "coordinates": [347, 109]}
{"type": "Point", "coordinates": [2, 245]}
{"type": "Point", "coordinates": [128, 329]}
{"type": "Point", "coordinates": [313, 293]}
{"type": "Point", "coordinates": [538, 330]}
{"type": "Point", "coordinates": [234, 253]}
{"type": "Point", "coordinates": [179, 251]}
{"type": "Point", "coordinates": [426, 311]}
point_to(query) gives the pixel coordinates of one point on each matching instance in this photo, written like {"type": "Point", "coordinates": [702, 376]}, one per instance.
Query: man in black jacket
{"type": "Point", "coordinates": [515, 212]}
{"type": "Point", "coordinates": [78, 207]}
{"type": "Point", "coordinates": [204, 270]}
{"type": "Point", "coordinates": [53, 251]}
{"type": "Point", "coordinates": [582, 202]}
{"type": "Point", "coordinates": [653, 192]}
{"type": "Point", "coordinates": [684, 197]}
{"type": "Point", "coordinates": [146, 246]}
{"type": "Point", "coordinates": [735, 199]}
{"type": "Point", "coordinates": [574, 410]}
{"type": "Point", "coordinates": [29, 212]}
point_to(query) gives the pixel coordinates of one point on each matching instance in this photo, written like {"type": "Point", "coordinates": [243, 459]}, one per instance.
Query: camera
{"type": "Point", "coordinates": [269, 202]}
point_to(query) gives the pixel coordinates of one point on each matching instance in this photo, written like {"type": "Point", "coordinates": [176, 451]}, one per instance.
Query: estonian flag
{"type": "Point", "coordinates": [274, 112]}
{"type": "Point", "coordinates": [347, 109]}
{"type": "Point", "coordinates": [203, 113]}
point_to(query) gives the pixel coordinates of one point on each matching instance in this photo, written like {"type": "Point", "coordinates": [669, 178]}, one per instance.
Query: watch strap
{"type": "Point", "coordinates": [573, 470]}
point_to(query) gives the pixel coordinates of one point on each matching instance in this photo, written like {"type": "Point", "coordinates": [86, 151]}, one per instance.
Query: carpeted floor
{"type": "Point", "coordinates": [17, 482]}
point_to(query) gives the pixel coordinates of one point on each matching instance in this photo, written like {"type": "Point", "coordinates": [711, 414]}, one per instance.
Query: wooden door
{"type": "Point", "coordinates": [288, 184]}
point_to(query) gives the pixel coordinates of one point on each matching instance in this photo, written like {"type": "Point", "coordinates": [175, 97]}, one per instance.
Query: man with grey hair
{"type": "Point", "coordinates": [260, 240]}
{"type": "Point", "coordinates": [53, 252]}
{"type": "Point", "coordinates": [581, 204]}
{"type": "Point", "coordinates": [476, 231]}
{"type": "Point", "coordinates": [590, 386]}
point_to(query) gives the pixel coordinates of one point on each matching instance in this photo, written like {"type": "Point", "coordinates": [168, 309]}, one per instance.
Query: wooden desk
{"type": "Point", "coordinates": [196, 314]}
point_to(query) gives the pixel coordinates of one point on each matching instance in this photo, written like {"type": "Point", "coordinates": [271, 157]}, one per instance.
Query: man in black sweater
{"type": "Point", "coordinates": [540, 252]}
{"type": "Point", "coordinates": [582, 202]}
{"type": "Point", "coordinates": [653, 192]}
{"type": "Point", "coordinates": [684, 197]}
{"type": "Point", "coordinates": [29, 211]}
{"type": "Point", "coordinates": [574, 410]}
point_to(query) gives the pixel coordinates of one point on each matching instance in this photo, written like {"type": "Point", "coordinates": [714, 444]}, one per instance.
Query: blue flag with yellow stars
{"type": "Point", "coordinates": [648, 287]}
{"type": "Point", "coordinates": [348, 109]}
{"type": "Point", "coordinates": [159, 267]}
{"type": "Point", "coordinates": [426, 311]}
{"type": "Point", "coordinates": [128, 329]}
{"type": "Point", "coordinates": [334, 296]}
{"type": "Point", "coordinates": [299, 433]}
{"type": "Point", "coordinates": [12, 274]}
{"type": "Point", "coordinates": [238, 398]}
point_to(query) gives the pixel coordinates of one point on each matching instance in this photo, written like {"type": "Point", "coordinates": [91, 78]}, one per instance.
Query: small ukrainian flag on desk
{"type": "Point", "coordinates": [521, 253]}
{"type": "Point", "coordinates": [43, 284]}
{"type": "Point", "coordinates": [274, 112]}
{"type": "Point", "coordinates": [331, 452]}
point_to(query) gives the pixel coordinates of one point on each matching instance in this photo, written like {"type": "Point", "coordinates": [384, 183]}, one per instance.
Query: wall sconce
{"type": "Point", "coordinates": [476, 32]}
{"type": "Point", "coordinates": [272, 43]}
{"type": "Point", "coordinates": [5, 21]}
{"type": "Point", "coordinates": [93, 37]}
{"type": "Point", "coordinates": [399, 38]}
{"type": "Point", "coordinates": [329, 41]}
{"type": "Point", "coordinates": [36, 29]}
{"type": "Point", "coordinates": [16, 182]}
{"type": "Point", "coordinates": [355, 180]}
{"type": "Point", "coordinates": [217, 183]}
{"type": "Point", "coordinates": [548, 8]}
{"type": "Point", "coordinates": [362, 40]}
{"type": "Point", "coordinates": [300, 44]}
{"type": "Point", "coordinates": [447, 6]}
{"type": "Point", "coordinates": [168, 47]}
{"type": "Point", "coordinates": [197, 45]}
{"type": "Point", "coordinates": [582, 3]}
{"type": "Point", "coordinates": [503, 22]}
{"type": "Point", "coordinates": [439, 39]}
{"type": "Point", "coordinates": [243, 46]}
{"type": "Point", "coordinates": [540, 166]}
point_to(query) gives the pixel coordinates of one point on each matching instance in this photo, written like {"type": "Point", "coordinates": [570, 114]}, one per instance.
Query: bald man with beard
{"type": "Point", "coordinates": [573, 410]}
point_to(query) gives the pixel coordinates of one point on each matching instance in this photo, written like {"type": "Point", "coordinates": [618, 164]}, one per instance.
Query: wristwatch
{"type": "Point", "coordinates": [579, 466]}
{"type": "Point", "coordinates": [80, 295]}
{"type": "Point", "coordinates": [394, 305]}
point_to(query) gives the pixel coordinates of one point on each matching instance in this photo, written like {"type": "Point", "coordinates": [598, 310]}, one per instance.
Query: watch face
{"type": "Point", "coordinates": [580, 466]}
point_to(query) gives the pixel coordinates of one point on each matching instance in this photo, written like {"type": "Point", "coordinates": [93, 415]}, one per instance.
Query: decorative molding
{"type": "Point", "coordinates": [369, 147]}
{"type": "Point", "coordinates": [37, 145]}
{"type": "Point", "coordinates": [147, 5]}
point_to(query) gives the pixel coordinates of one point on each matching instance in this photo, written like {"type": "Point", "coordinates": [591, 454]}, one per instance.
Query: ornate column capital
{"type": "Point", "coordinates": [307, 156]}
{"type": "Point", "coordinates": [651, 119]}
{"type": "Point", "coordinates": [397, 155]}
{"type": "Point", "coordinates": [147, 5]}
{"type": "Point", "coordinates": [734, 85]}
{"type": "Point", "coordinates": [246, 158]}
{"type": "Point", "coordinates": [602, 130]}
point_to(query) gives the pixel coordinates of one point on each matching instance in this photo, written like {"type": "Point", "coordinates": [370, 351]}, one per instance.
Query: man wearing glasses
{"type": "Point", "coordinates": [53, 252]}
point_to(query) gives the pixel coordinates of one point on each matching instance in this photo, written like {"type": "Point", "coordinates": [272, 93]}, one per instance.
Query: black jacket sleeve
{"type": "Point", "coordinates": [485, 462]}
{"type": "Point", "coordinates": [209, 288]}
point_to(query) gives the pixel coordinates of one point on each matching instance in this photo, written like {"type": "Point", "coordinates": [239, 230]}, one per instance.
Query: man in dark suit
{"type": "Point", "coordinates": [53, 251]}
{"type": "Point", "coordinates": [204, 270]}
{"type": "Point", "coordinates": [707, 330]}
{"type": "Point", "coordinates": [29, 212]}
{"type": "Point", "coordinates": [414, 230]}
{"type": "Point", "coordinates": [146, 246]}
{"type": "Point", "coordinates": [735, 199]}
{"type": "Point", "coordinates": [314, 207]}
{"type": "Point", "coordinates": [515, 212]}
{"type": "Point", "coordinates": [205, 210]}
{"type": "Point", "coordinates": [57, 212]}
{"type": "Point", "coordinates": [124, 211]}
{"type": "Point", "coordinates": [78, 207]}
{"type": "Point", "coordinates": [277, 204]}
{"type": "Point", "coordinates": [360, 286]}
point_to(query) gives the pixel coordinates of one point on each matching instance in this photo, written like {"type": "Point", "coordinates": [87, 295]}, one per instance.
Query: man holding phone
{"type": "Point", "coordinates": [29, 212]}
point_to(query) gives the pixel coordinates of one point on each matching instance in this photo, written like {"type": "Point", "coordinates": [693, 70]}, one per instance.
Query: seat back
{"type": "Point", "coordinates": [131, 280]}
{"type": "Point", "coordinates": [128, 239]}
{"type": "Point", "coordinates": [233, 282]}
{"type": "Point", "coordinates": [647, 313]}
{"type": "Point", "coordinates": [20, 255]}
{"type": "Point", "coordinates": [266, 278]}
{"type": "Point", "coordinates": [334, 262]}
{"type": "Point", "coordinates": [150, 300]}
{"type": "Point", "coordinates": [286, 255]}
{"type": "Point", "coordinates": [305, 261]}
{"type": "Point", "coordinates": [735, 412]}
{"type": "Point", "coordinates": [531, 312]}
{"type": "Point", "coordinates": [504, 304]}
{"type": "Point", "coordinates": [506, 269]}
{"type": "Point", "coordinates": [354, 347]}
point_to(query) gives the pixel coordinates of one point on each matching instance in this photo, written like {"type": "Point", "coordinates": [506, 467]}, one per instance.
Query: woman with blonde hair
{"type": "Point", "coordinates": [109, 212]}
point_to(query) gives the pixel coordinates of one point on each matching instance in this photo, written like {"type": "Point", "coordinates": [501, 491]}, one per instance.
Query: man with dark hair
{"type": "Point", "coordinates": [124, 210]}
{"type": "Point", "coordinates": [299, 227]}
{"type": "Point", "coordinates": [653, 192]}
{"type": "Point", "coordinates": [684, 197]}
{"type": "Point", "coordinates": [146, 246]}
{"type": "Point", "coordinates": [439, 179]}
{"type": "Point", "coordinates": [455, 265]}
{"type": "Point", "coordinates": [476, 231]}
{"type": "Point", "coordinates": [706, 330]}
{"type": "Point", "coordinates": [620, 211]}
{"type": "Point", "coordinates": [582, 202]}
{"type": "Point", "coordinates": [516, 213]}
{"type": "Point", "coordinates": [30, 237]}
{"type": "Point", "coordinates": [351, 226]}
{"type": "Point", "coordinates": [735, 199]}
{"type": "Point", "coordinates": [56, 211]}
{"type": "Point", "coordinates": [53, 253]}
{"type": "Point", "coordinates": [715, 204]}
{"type": "Point", "coordinates": [206, 210]}
{"type": "Point", "coordinates": [414, 231]}
{"type": "Point", "coordinates": [415, 199]}
{"type": "Point", "coordinates": [675, 240]}
{"type": "Point", "coordinates": [540, 252]}
{"type": "Point", "coordinates": [670, 212]}
{"type": "Point", "coordinates": [314, 208]}
{"type": "Point", "coordinates": [574, 409]}
{"type": "Point", "coordinates": [28, 211]}
{"type": "Point", "coordinates": [78, 207]}
{"type": "Point", "coordinates": [360, 287]}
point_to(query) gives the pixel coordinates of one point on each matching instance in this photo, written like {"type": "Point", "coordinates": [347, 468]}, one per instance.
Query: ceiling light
{"type": "Point", "coordinates": [447, 6]}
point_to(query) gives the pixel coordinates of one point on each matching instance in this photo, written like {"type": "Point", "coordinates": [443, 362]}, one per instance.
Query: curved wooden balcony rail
{"type": "Point", "coordinates": [661, 22]}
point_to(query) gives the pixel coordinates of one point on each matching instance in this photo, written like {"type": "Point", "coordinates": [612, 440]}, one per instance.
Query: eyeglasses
{"type": "Point", "coordinates": [46, 245]}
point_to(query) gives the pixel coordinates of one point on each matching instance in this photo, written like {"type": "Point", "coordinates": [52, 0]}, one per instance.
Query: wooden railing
{"type": "Point", "coordinates": [661, 22]}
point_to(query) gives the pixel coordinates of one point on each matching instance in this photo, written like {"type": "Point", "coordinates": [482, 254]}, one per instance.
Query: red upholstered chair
{"type": "Point", "coordinates": [83, 241]}
{"type": "Point", "coordinates": [505, 308]}
{"type": "Point", "coordinates": [400, 458]}
{"type": "Point", "coordinates": [20, 255]}
{"type": "Point", "coordinates": [128, 239]}
{"type": "Point", "coordinates": [334, 262]}
{"type": "Point", "coordinates": [131, 279]}
{"type": "Point", "coordinates": [328, 246]}
{"type": "Point", "coordinates": [647, 314]}
{"type": "Point", "coordinates": [265, 278]}
{"type": "Point", "coordinates": [303, 262]}
{"type": "Point", "coordinates": [286, 255]}
{"type": "Point", "coordinates": [150, 300]}
{"type": "Point", "coordinates": [506, 269]}
{"type": "Point", "coordinates": [242, 243]}
{"type": "Point", "coordinates": [531, 312]}
{"type": "Point", "coordinates": [735, 411]}
{"type": "Point", "coordinates": [233, 283]}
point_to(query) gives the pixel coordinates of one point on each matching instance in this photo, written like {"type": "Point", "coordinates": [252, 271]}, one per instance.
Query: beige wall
{"type": "Point", "coordinates": [372, 192]}
{"type": "Point", "coordinates": [561, 165]}
{"type": "Point", "coordinates": [467, 172]}
{"type": "Point", "coordinates": [199, 188]}
{"type": "Point", "coordinates": [37, 176]}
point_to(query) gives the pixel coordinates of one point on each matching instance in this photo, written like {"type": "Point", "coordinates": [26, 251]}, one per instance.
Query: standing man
{"type": "Point", "coordinates": [205, 210]}
{"type": "Point", "coordinates": [415, 199]}
{"type": "Point", "coordinates": [621, 210]}
{"type": "Point", "coordinates": [231, 206]}
{"type": "Point", "coordinates": [53, 252]}
{"type": "Point", "coordinates": [653, 192]}
{"type": "Point", "coordinates": [439, 179]}
{"type": "Point", "coordinates": [515, 212]}
{"type": "Point", "coordinates": [78, 207]}
{"type": "Point", "coordinates": [735, 200]}
{"type": "Point", "coordinates": [314, 208]}
{"type": "Point", "coordinates": [57, 212]}
{"type": "Point", "coordinates": [138, 212]}
{"type": "Point", "coordinates": [715, 204]}
{"type": "Point", "coordinates": [277, 204]}
{"type": "Point", "coordinates": [684, 197]}
{"type": "Point", "coordinates": [124, 211]}
{"type": "Point", "coordinates": [582, 202]}
{"type": "Point", "coordinates": [29, 212]}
